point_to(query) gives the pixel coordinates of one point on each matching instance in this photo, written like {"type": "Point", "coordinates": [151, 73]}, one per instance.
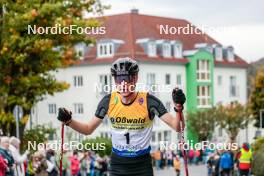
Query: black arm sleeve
{"type": "Point", "coordinates": [155, 107]}
{"type": "Point", "coordinates": [102, 107]}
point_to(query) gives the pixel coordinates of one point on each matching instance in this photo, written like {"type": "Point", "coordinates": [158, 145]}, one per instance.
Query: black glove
{"type": "Point", "coordinates": [64, 115]}
{"type": "Point", "coordinates": [178, 97]}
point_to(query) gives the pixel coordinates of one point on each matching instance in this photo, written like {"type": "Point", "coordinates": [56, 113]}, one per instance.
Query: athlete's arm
{"type": "Point", "coordinates": [156, 107]}
{"type": "Point", "coordinates": [88, 127]}
{"type": "Point", "coordinates": [172, 121]}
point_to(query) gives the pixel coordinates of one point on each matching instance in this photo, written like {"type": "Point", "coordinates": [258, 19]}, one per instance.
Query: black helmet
{"type": "Point", "coordinates": [124, 66]}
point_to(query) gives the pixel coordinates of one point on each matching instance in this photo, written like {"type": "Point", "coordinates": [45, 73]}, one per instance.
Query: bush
{"type": "Point", "coordinates": [93, 142]}
{"type": "Point", "coordinates": [38, 134]}
{"type": "Point", "coordinates": [258, 157]}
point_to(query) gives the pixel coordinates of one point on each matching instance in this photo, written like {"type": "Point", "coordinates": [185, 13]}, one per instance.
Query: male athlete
{"type": "Point", "coordinates": [131, 114]}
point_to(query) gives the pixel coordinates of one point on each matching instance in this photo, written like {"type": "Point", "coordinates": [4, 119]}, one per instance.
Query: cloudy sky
{"type": "Point", "coordinates": [239, 22]}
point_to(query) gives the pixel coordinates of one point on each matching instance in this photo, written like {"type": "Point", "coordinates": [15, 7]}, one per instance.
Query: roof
{"type": "Point", "coordinates": [129, 27]}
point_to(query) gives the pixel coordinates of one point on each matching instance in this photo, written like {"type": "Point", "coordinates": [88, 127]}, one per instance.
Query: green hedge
{"type": "Point", "coordinates": [258, 157]}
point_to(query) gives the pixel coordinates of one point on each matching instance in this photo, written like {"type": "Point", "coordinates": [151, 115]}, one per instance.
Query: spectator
{"type": "Point", "coordinates": [6, 154]}
{"type": "Point", "coordinates": [210, 164]}
{"type": "Point", "coordinates": [40, 165]}
{"type": "Point", "coordinates": [75, 164]}
{"type": "Point", "coordinates": [3, 166]}
{"type": "Point", "coordinates": [65, 163]}
{"type": "Point", "coordinates": [226, 163]}
{"type": "Point", "coordinates": [51, 162]}
{"type": "Point", "coordinates": [103, 170]}
{"type": "Point", "coordinates": [85, 164]}
{"type": "Point", "coordinates": [191, 155]}
{"type": "Point", "coordinates": [19, 159]}
{"type": "Point", "coordinates": [177, 165]}
{"type": "Point", "coordinates": [157, 157]}
{"type": "Point", "coordinates": [245, 158]}
{"type": "Point", "coordinates": [216, 164]}
{"type": "Point", "coordinates": [169, 158]}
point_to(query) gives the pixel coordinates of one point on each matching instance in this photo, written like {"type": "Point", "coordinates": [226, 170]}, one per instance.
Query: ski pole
{"type": "Point", "coordinates": [182, 143]}
{"type": "Point", "coordinates": [62, 143]}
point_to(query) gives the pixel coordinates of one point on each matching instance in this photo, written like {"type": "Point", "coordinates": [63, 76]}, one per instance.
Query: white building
{"type": "Point", "coordinates": [163, 60]}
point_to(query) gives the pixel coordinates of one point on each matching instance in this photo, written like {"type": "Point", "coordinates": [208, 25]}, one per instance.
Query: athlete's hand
{"type": "Point", "coordinates": [64, 115]}
{"type": "Point", "coordinates": [179, 99]}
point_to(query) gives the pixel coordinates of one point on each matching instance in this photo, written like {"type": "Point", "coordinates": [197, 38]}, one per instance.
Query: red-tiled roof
{"type": "Point", "coordinates": [129, 27]}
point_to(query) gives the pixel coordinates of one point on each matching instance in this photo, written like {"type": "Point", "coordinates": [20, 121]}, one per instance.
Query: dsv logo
{"type": "Point", "coordinates": [126, 120]}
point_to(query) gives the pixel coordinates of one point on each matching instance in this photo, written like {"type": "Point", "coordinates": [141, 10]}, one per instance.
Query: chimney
{"type": "Point", "coordinates": [134, 11]}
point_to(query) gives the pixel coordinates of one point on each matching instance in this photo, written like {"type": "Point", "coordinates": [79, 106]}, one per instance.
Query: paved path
{"type": "Point", "coordinates": [194, 170]}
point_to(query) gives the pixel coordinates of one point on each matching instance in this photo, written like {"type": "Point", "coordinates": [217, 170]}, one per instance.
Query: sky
{"type": "Point", "coordinates": [239, 23]}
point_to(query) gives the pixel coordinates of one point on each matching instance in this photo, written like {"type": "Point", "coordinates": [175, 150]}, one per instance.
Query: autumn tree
{"type": "Point", "coordinates": [232, 118]}
{"type": "Point", "coordinates": [257, 97]}
{"type": "Point", "coordinates": [27, 61]}
{"type": "Point", "coordinates": [202, 123]}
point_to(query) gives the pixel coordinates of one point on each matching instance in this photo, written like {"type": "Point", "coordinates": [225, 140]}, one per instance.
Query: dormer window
{"type": "Point", "coordinates": [166, 50]}
{"type": "Point", "coordinates": [178, 50]}
{"type": "Point", "coordinates": [105, 49]}
{"type": "Point", "coordinates": [218, 53]}
{"type": "Point", "coordinates": [80, 49]}
{"type": "Point", "coordinates": [230, 54]}
{"type": "Point", "coordinates": [152, 49]}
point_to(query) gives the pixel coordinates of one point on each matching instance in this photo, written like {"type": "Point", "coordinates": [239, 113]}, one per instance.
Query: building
{"type": "Point", "coordinates": [208, 72]}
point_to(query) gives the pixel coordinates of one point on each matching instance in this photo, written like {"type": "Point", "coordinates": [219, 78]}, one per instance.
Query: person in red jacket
{"type": "Point", "coordinates": [244, 158]}
{"type": "Point", "coordinates": [75, 164]}
{"type": "Point", "coordinates": [3, 166]}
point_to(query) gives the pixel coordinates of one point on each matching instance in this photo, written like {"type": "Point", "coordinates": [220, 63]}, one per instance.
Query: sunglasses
{"type": "Point", "coordinates": [126, 78]}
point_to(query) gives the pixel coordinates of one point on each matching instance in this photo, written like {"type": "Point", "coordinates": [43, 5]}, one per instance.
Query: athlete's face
{"type": "Point", "coordinates": [126, 84]}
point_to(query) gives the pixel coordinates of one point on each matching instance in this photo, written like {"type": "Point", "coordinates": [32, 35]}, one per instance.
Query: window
{"type": "Point", "coordinates": [233, 87]}
{"type": "Point", "coordinates": [203, 70]}
{"type": "Point", "coordinates": [166, 49]}
{"type": "Point", "coordinates": [78, 108]}
{"type": "Point", "coordinates": [105, 49]}
{"type": "Point", "coordinates": [220, 132]}
{"type": "Point", "coordinates": [52, 108]}
{"type": "Point", "coordinates": [159, 136]}
{"type": "Point", "coordinates": [167, 136]}
{"type": "Point", "coordinates": [153, 136]}
{"type": "Point", "coordinates": [104, 135]}
{"type": "Point", "coordinates": [151, 82]}
{"type": "Point", "coordinates": [152, 49]}
{"type": "Point", "coordinates": [178, 50]}
{"type": "Point", "coordinates": [80, 49]}
{"type": "Point", "coordinates": [168, 106]}
{"type": "Point", "coordinates": [219, 80]}
{"type": "Point", "coordinates": [105, 82]}
{"type": "Point", "coordinates": [230, 54]}
{"type": "Point", "coordinates": [178, 79]}
{"type": "Point", "coordinates": [218, 53]}
{"type": "Point", "coordinates": [167, 79]}
{"type": "Point", "coordinates": [78, 81]}
{"type": "Point", "coordinates": [203, 96]}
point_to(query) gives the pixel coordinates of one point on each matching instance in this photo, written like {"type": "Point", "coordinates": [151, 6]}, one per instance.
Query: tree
{"type": "Point", "coordinates": [258, 156]}
{"type": "Point", "coordinates": [28, 61]}
{"type": "Point", "coordinates": [38, 134]}
{"type": "Point", "coordinates": [95, 143]}
{"type": "Point", "coordinates": [232, 118]}
{"type": "Point", "coordinates": [202, 123]}
{"type": "Point", "coordinates": [257, 97]}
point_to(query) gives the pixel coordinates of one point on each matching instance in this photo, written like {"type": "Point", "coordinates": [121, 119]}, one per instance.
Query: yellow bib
{"type": "Point", "coordinates": [133, 116]}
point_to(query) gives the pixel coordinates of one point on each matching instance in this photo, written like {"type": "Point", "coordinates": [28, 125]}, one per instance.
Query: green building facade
{"type": "Point", "coordinates": [200, 84]}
